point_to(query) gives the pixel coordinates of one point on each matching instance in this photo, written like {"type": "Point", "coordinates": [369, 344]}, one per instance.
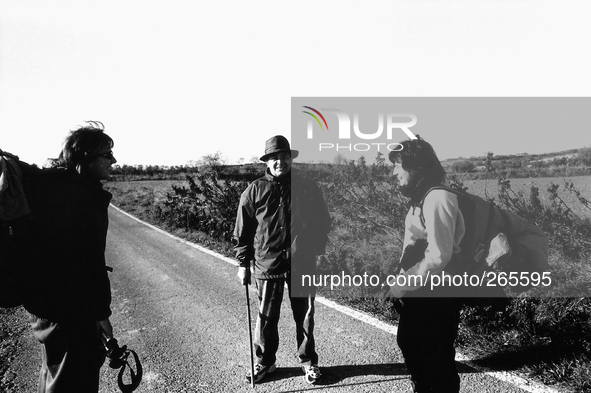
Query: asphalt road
{"type": "Point", "coordinates": [184, 312]}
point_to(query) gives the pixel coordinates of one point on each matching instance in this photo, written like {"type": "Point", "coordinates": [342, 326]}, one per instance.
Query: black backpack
{"type": "Point", "coordinates": [514, 250]}
{"type": "Point", "coordinates": [16, 220]}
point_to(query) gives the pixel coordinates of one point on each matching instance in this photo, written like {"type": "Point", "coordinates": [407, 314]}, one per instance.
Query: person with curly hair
{"type": "Point", "coordinates": [70, 295]}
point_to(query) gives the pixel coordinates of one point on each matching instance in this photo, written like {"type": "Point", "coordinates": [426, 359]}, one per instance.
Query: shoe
{"type": "Point", "coordinates": [260, 371]}
{"type": "Point", "coordinates": [312, 374]}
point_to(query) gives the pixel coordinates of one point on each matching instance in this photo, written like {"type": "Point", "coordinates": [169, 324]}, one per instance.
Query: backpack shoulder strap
{"type": "Point", "coordinates": [461, 195]}
{"type": "Point", "coordinates": [467, 204]}
{"type": "Point", "coordinates": [441, 187]}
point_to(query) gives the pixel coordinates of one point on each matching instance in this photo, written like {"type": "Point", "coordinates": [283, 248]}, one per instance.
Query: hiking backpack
{"type": "Point", "coordinates": [15, 219]}
{"type": "Point", "coordinates": [499, 241]}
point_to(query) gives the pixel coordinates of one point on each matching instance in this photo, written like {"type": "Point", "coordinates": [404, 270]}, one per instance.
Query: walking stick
{"type": "Point", "coordinates": [250, 337]}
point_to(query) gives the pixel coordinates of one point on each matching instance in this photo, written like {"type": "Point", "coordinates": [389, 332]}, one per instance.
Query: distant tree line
{"type": "Point", "coordinates": [576, 162]}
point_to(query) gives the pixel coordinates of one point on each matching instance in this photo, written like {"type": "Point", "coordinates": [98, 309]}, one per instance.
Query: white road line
{"type": "Point", "coordinates": [520, 382]}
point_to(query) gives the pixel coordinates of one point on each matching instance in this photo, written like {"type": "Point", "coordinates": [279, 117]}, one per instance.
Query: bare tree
{"type": "Point", "coordinates": [213, 162]}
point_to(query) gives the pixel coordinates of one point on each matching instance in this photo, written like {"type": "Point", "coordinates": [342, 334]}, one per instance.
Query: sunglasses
{"type": "Point", "coordinates": [109, 155]}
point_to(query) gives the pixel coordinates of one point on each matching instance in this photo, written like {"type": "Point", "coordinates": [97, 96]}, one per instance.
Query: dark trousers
{"type": "Point", "coordinates": [266, 337]}
{"type": "Point", "coordinates": [72, 356]}
{"type": "Point", "coordinates": [427, 331]}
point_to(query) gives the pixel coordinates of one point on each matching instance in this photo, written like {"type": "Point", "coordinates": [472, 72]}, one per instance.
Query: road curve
{"type": "Point", "coordinates": [184, 312]}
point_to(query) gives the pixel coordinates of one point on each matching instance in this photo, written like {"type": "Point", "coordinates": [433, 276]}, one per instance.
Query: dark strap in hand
{"type": "Point", "coordinates": [121, 362]}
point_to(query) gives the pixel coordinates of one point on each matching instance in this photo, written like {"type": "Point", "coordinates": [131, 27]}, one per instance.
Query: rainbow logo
{"type": "Point", "coordinates": [318, 113]}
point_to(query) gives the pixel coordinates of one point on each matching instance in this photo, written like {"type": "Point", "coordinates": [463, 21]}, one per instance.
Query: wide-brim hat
{"type": "Point", "coordinates": [278, 144]}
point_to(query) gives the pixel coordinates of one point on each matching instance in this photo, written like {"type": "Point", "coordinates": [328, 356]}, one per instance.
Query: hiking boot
{"type": "Point", "coordinates": [312, 374]}
{"type": "Point", "coordinates": [260, 371]}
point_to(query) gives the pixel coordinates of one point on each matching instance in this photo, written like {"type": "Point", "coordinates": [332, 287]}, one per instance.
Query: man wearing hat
{"type": "Point", "coordinates": [281, 227]}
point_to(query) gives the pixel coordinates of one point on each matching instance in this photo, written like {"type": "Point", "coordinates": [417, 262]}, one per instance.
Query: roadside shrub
{"type": "Point", "coordinates": [368, 221]}
{"type": "Point", "coordinates": [209, 204]}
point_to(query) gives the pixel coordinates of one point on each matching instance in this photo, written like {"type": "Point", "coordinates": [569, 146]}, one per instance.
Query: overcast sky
{"type": "Point", "coordinates": [175, 80]}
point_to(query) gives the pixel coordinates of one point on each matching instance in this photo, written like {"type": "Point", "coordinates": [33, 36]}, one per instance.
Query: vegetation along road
{"type": "Point", "coordinates": [184, 312]}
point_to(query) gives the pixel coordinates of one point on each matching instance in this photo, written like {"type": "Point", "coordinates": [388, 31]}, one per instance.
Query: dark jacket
{"type": "Point", "coordinates": [69, 229]}
{"type": "Point", "coordinates": [280, 222]}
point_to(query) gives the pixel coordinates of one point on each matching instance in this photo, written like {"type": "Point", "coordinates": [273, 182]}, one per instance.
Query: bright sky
{"type": "Point", "coordinates": [175, 80]}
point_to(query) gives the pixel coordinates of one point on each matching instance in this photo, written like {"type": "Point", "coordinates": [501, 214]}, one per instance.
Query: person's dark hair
{"type": "Point", "coordinates": [82, 144]}
{"type": "Point", "coordinates": [418, 158]}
